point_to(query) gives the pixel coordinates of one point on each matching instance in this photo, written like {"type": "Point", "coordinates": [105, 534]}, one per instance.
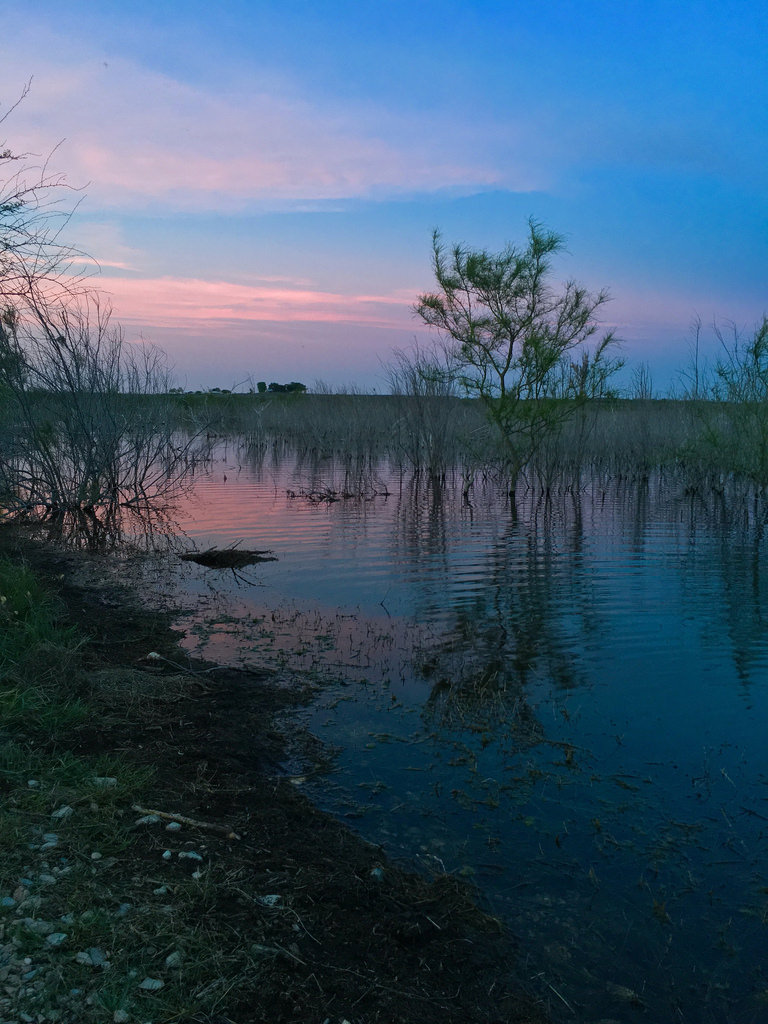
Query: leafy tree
{"type": "Point", "coordinates": [513, 340]}
{"type": "Point", "coordinates": [295, 387]}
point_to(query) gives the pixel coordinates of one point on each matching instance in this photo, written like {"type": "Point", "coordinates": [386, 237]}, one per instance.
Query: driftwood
{"type": "Point", "coordinates": [182, 820]}
{"type": "Point", "coordinates": [227, 558]}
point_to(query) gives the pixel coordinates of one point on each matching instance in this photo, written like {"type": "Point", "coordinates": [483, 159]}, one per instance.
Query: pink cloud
{"type": "Point", "coordinates": [137, 135]}
{"type": "Point", "coordinates": [173, 301]}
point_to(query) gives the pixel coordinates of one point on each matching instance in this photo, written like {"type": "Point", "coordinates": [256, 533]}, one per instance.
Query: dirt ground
{"type": "Point", "coordinates": [346, 935]}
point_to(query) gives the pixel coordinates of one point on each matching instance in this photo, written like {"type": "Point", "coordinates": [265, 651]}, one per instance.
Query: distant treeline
{"type": "Point", "coordinates": [295, 387]}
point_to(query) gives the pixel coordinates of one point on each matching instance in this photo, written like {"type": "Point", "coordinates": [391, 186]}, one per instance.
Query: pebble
{"type": "Point", "coordinates": [63, 812]}
{"type": "Point", "coordinates": [95, 855]}
{"type": "Point", "coordinates": [50, 839]}
{"type": "Point", "coordinates": [173, 959]}
{"type": "Point", "coordinates": [148, 819]}
{"type": "Point", "coordinates": [56, 938]}
{"type": "Point", "coordinates": [38, 927]}
{"type": "Point", "coordinates": [33, 784]}
{"type": "Point", "coordinates": [151, 984]}
{"type": "Point", "coordinates": [172, 826]}
{"type": "Point", "coordinates": [105, 781]}
{"type": "Point", "coordinates": [167, 855]}
{"type": "Point", "coordinates": [93, 957]}
{"type": "Point", "coordinates": [7, 902]}
{"type": "Point", "coordinates": [188, 855]}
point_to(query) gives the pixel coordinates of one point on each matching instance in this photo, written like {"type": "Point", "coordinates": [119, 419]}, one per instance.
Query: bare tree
{"type": "Point", "coordinates": [37, 265]}
{"type": "Point", "coordinates": [86, 427]}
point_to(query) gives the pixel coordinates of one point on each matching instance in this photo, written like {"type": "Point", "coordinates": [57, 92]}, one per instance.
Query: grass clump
{"type": "Point", "coordinates": [39, 658]}
{"type": "Point", "coordinates": [95, 922]}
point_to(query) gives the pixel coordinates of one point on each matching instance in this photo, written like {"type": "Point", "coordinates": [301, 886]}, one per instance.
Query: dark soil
{"type": "Point", "coordinates": [354, 938]}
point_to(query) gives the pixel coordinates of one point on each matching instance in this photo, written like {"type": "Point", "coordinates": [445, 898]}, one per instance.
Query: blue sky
{"type": "Point", "coordinates": [262, 178]}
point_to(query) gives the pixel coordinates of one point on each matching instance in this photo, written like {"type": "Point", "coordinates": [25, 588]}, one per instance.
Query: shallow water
{"type": "Point", "coordinates": [565, 702]}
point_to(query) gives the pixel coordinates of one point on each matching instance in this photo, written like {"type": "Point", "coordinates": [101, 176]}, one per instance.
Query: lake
{"type": "Point", "coordinates": [564, 702]}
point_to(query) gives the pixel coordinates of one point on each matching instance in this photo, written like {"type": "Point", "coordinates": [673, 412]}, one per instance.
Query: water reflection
{"type": "Point", "coordinates": [134, 527]}
{"type": "Point", "coordinates": [565, 700]}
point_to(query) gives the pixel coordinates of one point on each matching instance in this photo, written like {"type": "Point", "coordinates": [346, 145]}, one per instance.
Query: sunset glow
{"type": "Point", "coordinates": [262, 181]}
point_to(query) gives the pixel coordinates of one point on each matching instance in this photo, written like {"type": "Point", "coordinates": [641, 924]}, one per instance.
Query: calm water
{"type": "Point", "coordinates": [565, 703]}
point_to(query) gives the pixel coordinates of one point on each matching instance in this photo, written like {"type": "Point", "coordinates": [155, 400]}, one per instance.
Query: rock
{"type": "Point", "coordinates": [151, 984]}
{"type": "Point", "coordinates": [63, 812]}
{"type": "Point", "coordinates": [148, 819]}
{"type": "Point", "coordinates": [32, 924]}
{"type": "Point", "coordinates": [173, 826]}
{"type": "Point", "coordinates": [120, 1017]}
{"type": "Point", "coordinates": [56, 938]}
{"type": "Point", "coordinates": [173, 959]}
{"type": "Point", "coordinates": [95, 855]}
{"type": "Point", "coordinates": [167, 855]}
{"type": "Point", "coordinates": [93, 957]}
{"type": "Point", "coordinates": [273, 900]}
{"type": "Point", "coordinates": [104, 781]}
{"type": "Point", "coordinates": [189, 855]}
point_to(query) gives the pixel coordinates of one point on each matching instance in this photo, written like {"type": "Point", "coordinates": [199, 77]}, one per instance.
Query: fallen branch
{"type": "Point", "coordinates": [228, 558]}
{"type": "Point", "coordinates": [209, 825]}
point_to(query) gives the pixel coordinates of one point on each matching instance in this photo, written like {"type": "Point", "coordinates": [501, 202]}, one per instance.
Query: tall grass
{"type": "Point", "coordinates": [703, 443]}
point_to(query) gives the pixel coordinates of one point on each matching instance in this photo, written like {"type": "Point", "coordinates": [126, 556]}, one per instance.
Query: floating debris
{"type": "Point", "coordinates": [227, 558]}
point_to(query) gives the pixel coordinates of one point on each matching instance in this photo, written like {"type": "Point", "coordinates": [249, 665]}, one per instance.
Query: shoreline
{"type": "Point", "coordinates": [255, 906]}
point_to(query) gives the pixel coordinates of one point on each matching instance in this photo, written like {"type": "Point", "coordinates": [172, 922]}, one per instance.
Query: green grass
{"type": "Point", "coordinates": [90, 873]}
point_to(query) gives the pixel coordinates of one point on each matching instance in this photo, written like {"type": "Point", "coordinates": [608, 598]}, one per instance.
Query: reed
{"type": "Point", "coordinates": [703, 443]}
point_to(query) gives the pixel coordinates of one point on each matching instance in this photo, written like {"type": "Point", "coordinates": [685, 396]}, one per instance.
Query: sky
{"type": "Point", "coordinates": [259, 181]}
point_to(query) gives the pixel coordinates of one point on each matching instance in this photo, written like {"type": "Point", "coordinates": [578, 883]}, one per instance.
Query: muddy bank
{"type": "Point", "coordinates": [308, 922]}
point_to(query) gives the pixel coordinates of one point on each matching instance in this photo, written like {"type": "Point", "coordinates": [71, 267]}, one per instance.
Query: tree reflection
{"type": "Point", "coordinates": [132, 528]}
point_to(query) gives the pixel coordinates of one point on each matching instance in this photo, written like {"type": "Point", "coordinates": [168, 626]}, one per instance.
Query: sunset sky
{"type": "Point", "coordinates": [262, 178]}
